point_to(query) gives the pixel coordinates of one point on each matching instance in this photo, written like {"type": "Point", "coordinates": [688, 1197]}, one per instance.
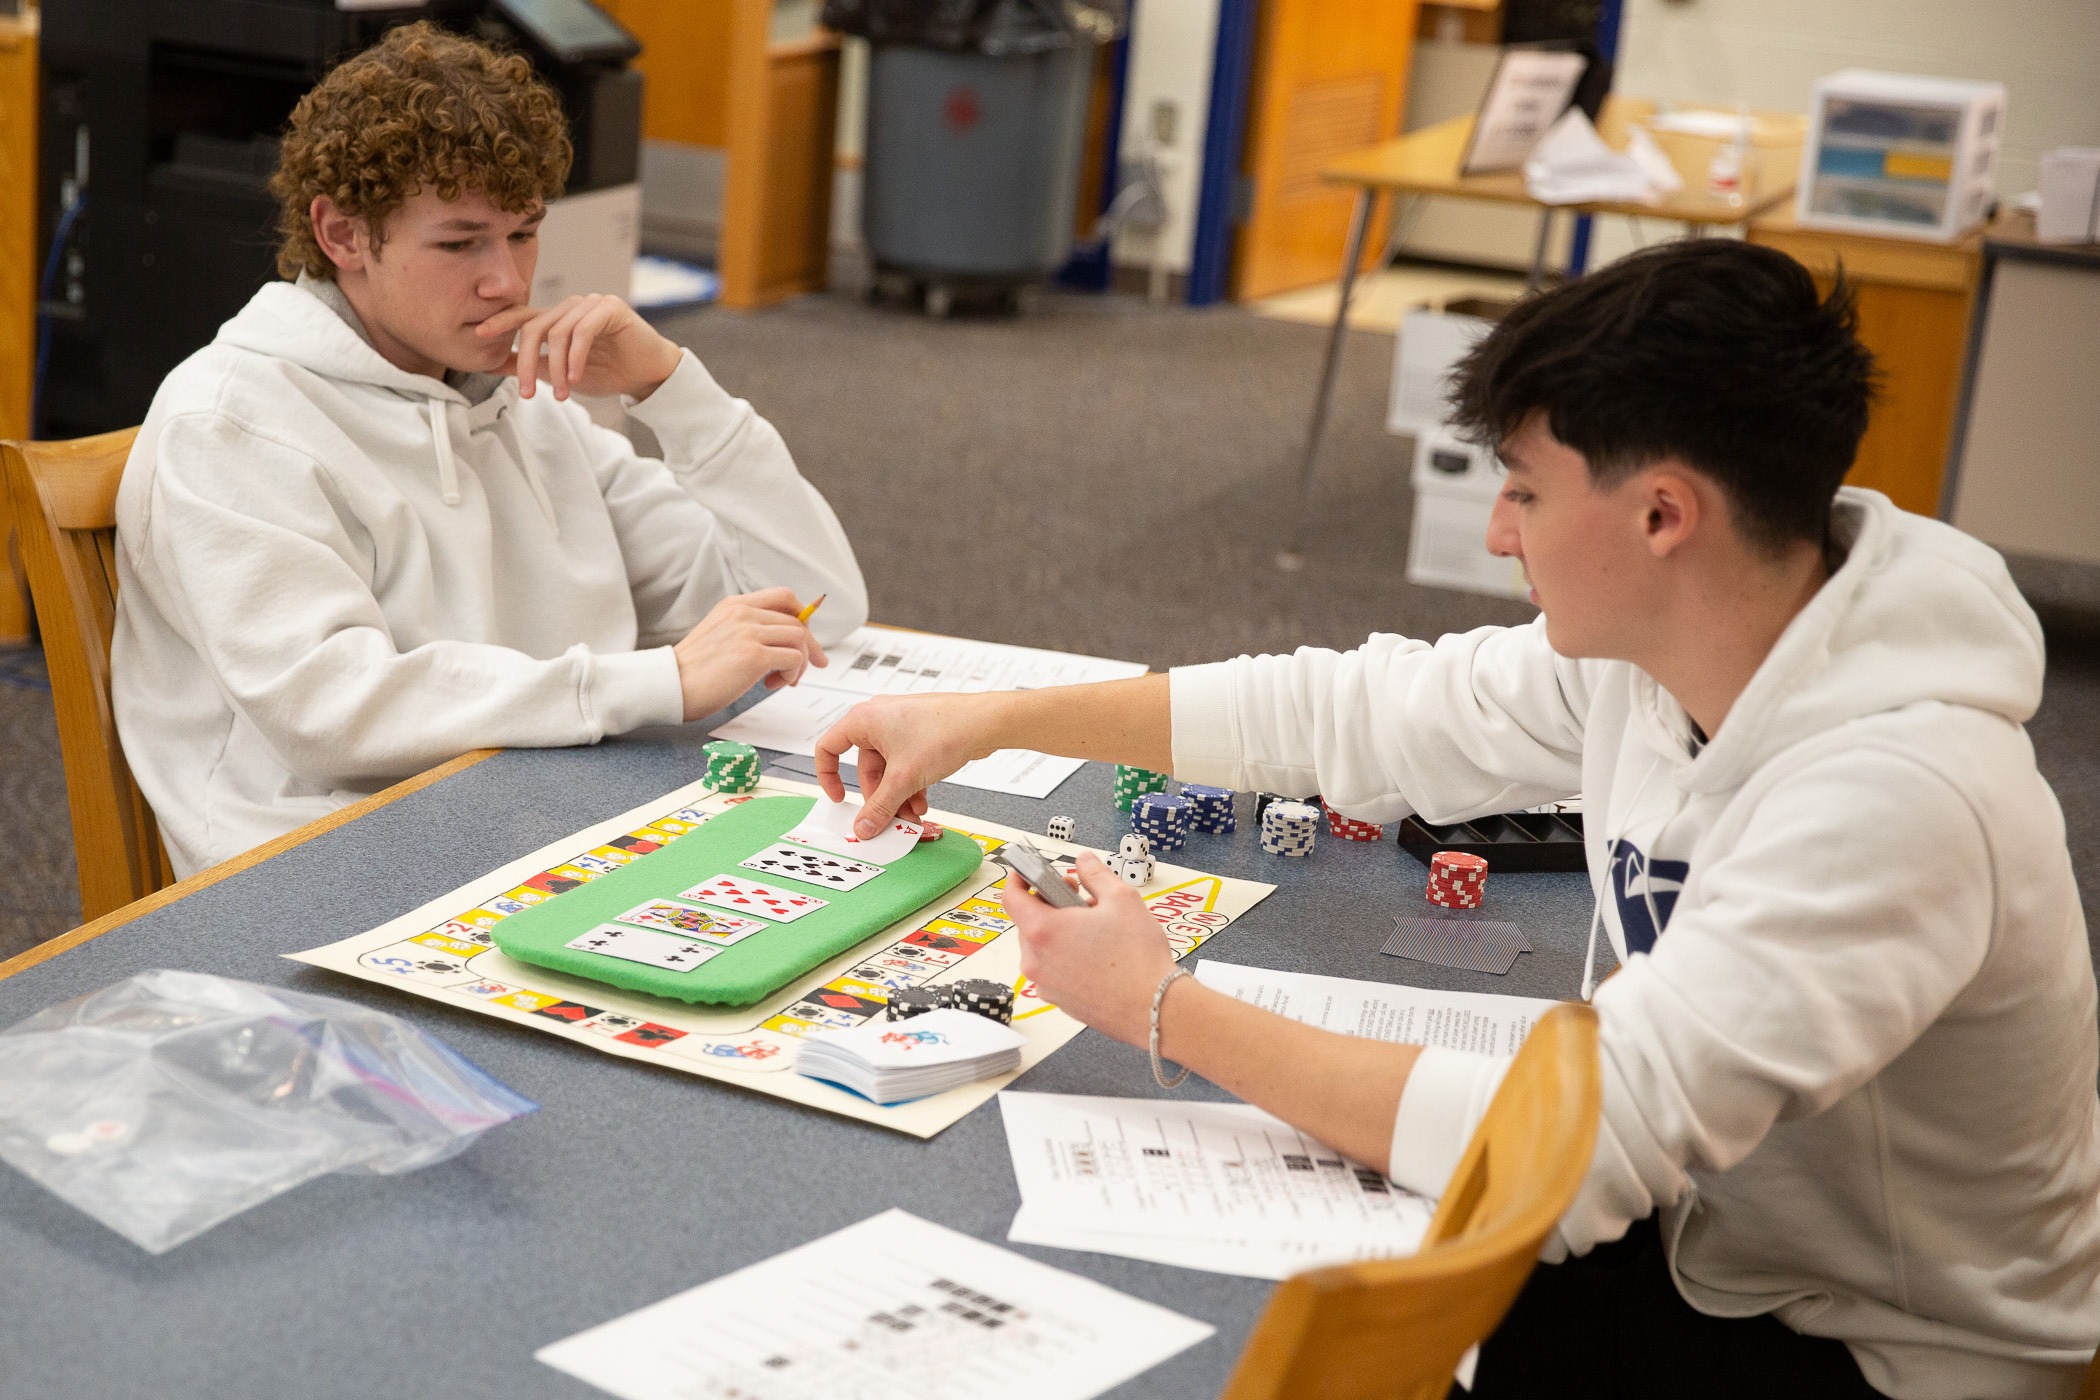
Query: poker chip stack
{"type": "Point", "coordinates": [908, 1002]}
{"type": "Point", "coordinates": [1163, 819]}
{"type": "Point", "coordinates": [980, 996]}
{"type": "Point", "coordinates": [731, 767]}
{"type": "Point", "coordinates": [1457, 880]}
{"type": "Point", "coordinates": [1210, 809]}
{"type": "Point", "coordinates": [1350, 829]}
{"type": "Point", "coordinates": [1288, 828]}
{"type": "Point", "coordinates": [1133, 783]}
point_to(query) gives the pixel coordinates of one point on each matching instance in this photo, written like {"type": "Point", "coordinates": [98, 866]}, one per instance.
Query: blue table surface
{"type": "Point", "coordinates": [631, 1183]}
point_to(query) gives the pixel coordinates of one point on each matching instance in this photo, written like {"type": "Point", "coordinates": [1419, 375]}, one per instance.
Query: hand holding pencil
{"type": "Point", "coordinates": [745, 640]}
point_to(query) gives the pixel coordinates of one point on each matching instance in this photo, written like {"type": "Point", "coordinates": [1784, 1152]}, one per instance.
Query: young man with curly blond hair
{"type": "Point", "coordinates": [367, 528]}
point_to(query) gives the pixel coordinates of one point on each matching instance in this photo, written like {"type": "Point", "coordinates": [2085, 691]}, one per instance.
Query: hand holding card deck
{"type": "Point", "coordinates": [891, 1061]}
{"type": "Point", "coordinates": [748, 936]}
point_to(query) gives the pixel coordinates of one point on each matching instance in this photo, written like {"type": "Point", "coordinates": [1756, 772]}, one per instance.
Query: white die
{"type": "Point", "coordinates": [1061, 828]}
{"type": "Point", "coordinates": [1132, 862]}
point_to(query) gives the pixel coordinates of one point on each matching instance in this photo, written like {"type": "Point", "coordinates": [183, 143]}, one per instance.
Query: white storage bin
{"type": "Point", "coordinates": [1447, 547]}
{"type": "Point", "coordinates": [1891, 153]}
{"type": "Point", "coordinates": [1430, 343]}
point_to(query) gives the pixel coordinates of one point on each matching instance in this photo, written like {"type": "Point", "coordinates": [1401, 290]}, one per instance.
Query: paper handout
{"type": "Point", "coordinates": [1485, 1022]}
{"type": "Point", "coordinates": [886, 661]}
{"type": "Point", "coordinates": [893, 1308]}
{"type": "Point", "coordinates": [1217, 1186]}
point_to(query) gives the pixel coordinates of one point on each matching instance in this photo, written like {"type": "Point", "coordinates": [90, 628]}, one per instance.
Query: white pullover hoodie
{"type": "Point", "coordinates": [1850, 1055]}
{"type": "Point", "coordinates": [334, 573]}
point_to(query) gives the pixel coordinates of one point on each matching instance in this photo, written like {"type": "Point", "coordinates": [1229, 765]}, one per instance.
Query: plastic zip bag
{"type": "Point", "coordinates": [171, 1101]}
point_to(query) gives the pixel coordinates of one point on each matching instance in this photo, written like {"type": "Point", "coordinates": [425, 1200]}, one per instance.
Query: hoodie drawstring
{"type": "Point", "coordinates": [441, 438]}
{"type": "Point", "coordinates": [448, 468]}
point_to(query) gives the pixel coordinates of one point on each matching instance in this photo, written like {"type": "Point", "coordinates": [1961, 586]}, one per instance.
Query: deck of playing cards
{"type": "Point", "coordinates": [891, 1061]}
{"type": "Point", "coordinates": [1453, 940]}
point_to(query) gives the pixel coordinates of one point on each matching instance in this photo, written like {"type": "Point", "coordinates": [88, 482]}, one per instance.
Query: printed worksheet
{"type": "Point", "coordinates": [1485, 1022]}
{"type": "Point", "coordinates": [885, 661]}
{"type": "Point", "coordinates": [1218, 1186]}
{"type": "Point", "coordinates": [894, 1308]}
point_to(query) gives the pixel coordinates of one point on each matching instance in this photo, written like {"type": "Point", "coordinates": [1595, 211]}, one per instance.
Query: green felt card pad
{"type": "Point", "coordinates": [765, 961]}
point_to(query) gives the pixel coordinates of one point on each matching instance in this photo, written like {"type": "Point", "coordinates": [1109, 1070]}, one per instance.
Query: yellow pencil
{"type": "Point", "coordinates": [810, 610]}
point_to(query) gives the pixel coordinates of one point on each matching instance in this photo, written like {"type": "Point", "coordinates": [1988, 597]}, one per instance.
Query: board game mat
{"type": "Point", "coordinates": [446, 952]}
{"type": "Point", "coordinates": [770, 955]}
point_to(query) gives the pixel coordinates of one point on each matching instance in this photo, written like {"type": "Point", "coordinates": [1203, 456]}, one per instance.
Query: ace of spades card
{"type": "Point", "coordinates": [811, 867]}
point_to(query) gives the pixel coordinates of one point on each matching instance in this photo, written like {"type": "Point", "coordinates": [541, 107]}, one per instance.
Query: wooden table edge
{"type": "Point", "coordinates": [138, 908]}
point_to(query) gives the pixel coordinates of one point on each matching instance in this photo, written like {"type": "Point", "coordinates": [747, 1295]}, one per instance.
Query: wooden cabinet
{"type": "Point", "coordinates": [1330, 77]}
{"type": "Point", "coordinates": [1914, 301]}
{"type": "Point", "coordinates": [716, 78]}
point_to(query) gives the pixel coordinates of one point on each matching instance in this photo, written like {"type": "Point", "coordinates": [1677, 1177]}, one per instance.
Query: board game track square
{"type": "Point", "coordinates": [570, 1011]}
{"type": "Point", "coordinates": [650, 1034]}
{"type": "Point", "coordinates": [942, 942]}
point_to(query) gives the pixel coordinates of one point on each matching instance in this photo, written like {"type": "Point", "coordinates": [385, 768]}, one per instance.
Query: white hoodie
{"type": "Point", "coordinates": [334, 573]}
{"type": "Point", "coordinates": [1856, 1073]}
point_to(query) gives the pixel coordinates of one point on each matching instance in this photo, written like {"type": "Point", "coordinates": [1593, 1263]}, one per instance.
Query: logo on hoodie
{"type": "Point", "coordinates": [1646, 891]}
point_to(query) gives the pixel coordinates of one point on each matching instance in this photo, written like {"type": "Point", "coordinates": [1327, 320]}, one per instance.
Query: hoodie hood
{"type": "Point", "coordinates": [311, 324]}
{"type": "Point", "coordinates": [1918, 612]}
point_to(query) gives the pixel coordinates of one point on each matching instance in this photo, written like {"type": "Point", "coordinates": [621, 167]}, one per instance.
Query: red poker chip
{"type": "Point", "coordinates": [1458, 861]}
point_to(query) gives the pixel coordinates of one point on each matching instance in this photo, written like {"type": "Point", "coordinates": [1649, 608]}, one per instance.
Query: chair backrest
{"type": "Point", "coordinates": [64, 497]}
{"type": "Point", "coordinates": [1397, 1327]}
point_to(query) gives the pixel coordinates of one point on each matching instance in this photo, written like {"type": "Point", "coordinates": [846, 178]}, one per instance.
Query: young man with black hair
{"type": "Point", "coordinates": [1850, 1141]}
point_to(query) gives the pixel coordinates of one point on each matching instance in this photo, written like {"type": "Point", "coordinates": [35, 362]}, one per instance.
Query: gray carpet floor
{"type": "Point", "coordinates": [1098, 476]}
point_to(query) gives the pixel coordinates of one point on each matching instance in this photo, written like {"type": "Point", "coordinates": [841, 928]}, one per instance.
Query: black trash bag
{"type": "Point", "coordinates": [998, 28]}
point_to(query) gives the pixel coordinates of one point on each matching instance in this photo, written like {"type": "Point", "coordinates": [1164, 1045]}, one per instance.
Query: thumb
{"type": "Point", "coordinates": [891, 793]}
{"type": "Point", "coordinates": [1096, 878]}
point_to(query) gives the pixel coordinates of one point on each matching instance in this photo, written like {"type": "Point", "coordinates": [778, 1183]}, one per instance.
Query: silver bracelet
{"type": "Point", "coordinates": [1159, 1066]}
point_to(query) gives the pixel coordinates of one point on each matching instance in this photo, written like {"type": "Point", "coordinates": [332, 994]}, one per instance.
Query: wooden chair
{"type": "Point", "coordinates": [64, 499]}
{"type": "Point", "coordinates": [1395, 1328]}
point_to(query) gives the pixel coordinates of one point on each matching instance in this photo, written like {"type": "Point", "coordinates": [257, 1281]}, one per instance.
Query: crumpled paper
{"type": "Point", "coordinates": [1572, 165]}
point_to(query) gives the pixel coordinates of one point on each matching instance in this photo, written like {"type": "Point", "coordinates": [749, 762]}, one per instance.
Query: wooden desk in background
{"type": "Point", "coordinates": [18, 272]}
{"type": "Point", "coordinates": [1426, 162]}
{"type": "Point", "coordinates": [1914, 299]}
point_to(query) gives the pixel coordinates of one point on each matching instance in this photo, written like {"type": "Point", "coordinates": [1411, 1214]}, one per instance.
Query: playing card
{"type": "Point", "coordinates": [691, 921]}
{"type": "Point", "coordinates": [829, 827]}
{"type": "Point", "coordinates": [638, 945]}
{"type": "Point", "coordinates": [811, 867]}
{"type": "Point", "coordinates": [1475, 945]}
{"type": "Point", "coordinates": [741, 896]}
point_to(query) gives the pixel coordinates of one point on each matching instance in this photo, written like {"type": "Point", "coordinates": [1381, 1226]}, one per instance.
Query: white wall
{"type": "Point", "coordinates": [1173, 46]}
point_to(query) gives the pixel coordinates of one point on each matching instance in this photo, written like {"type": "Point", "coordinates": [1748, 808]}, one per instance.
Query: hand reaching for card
{"type": "Point", "coordinates": [906, 743]}
{"type": "Point", "coordinates": [594, 344]}
{"type": "Point", "coordinates": [746, 638]}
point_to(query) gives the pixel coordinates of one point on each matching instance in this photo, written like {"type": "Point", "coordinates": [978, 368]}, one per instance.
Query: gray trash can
{"type": "Point", "coordinates": [976, 129]}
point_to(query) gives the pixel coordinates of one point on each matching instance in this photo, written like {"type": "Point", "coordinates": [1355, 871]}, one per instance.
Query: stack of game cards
{"type": "Point", "coordinates": [891, 1061]}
